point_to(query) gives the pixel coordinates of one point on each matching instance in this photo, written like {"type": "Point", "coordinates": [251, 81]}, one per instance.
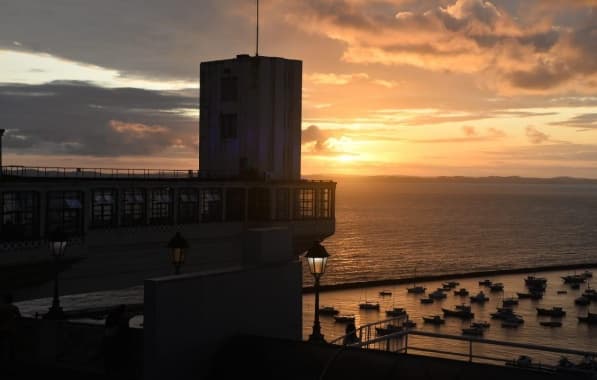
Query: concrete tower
{"type": "Point", "coordinates": [250, 118]}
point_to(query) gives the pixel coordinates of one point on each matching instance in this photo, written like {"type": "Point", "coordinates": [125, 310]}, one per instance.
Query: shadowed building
{"type": "Point", "coordinates": [250, 110]}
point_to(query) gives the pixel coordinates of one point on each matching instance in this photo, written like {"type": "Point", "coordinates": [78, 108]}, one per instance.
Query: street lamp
{"type": "Point", "coordinates": [177, 246]}
{"type": "Point", "coordinates": [317, 258]}
{"type": "Point", "coordinates": [57, 241]}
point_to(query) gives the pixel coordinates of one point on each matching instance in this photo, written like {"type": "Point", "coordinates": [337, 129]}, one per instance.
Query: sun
{"type": "Point", "coordinates": [346, 158]}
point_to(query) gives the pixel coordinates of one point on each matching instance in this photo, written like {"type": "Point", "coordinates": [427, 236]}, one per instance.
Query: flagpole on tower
{"type": "Point", "coordinates": [257, 39]}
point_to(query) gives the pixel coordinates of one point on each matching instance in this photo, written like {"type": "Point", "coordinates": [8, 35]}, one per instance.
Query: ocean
{"type": "Point", "coordinates": [388, 229]}
{"type": "Point", "coordinates": [394, 230]}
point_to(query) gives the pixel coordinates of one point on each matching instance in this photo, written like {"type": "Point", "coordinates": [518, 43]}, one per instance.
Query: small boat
{"type": "Point", "coordinates": [562, 292]}
{"type": "Point", "coordinates": [328, 310]}
{"type": "Point", "coordinates": [450, 285]}
{"type": "Point", "coordinates": [476, 331]}
{"type": "Point", "coordinates": [437, 295]}
{"type": "Point", "coordinates": [510, 323]}
{"type": "Point", "coordinates": [462, 311]}
{"type": "Point", "coordinates": [396, 312]}
{"type": "Point", "coordinates": [385, 293]}
{"type": "Point", "coordinates": [479, 297]}
{"type": "Point", "coordinates": [535, 281]}
{"type": "Point", "coordinates": [587, 274]}
{"type": "Point", "coordinates": [461, 293]}
{"type": "Point", "coordinates": [480, 324]}
{"type": "Point", "coordinates": [573, 279]}
{"type": "Point", "coordinates": [344, 318]}
{"type": "Point", "coordinates": [503, 313]}
{"type": "Point", "coordinates": [531, 295]}
{"type": "Point", "coordinates": [485, 282]}
{"type": "Point", "coordinates": [582, 301]}
{"type": "Point", "coordinates": [409, 324]}
{"type": "Point", "coordinates": [387, 329]}
{"type": "Point", "coordinates": [426, 300]}
{"type": "Point", "coordinates": [496, 287]}
{"type": "Point", "coordinates": [369, 305]}
{"type": "Point", "coordinates": [555, 312]}
{"type": "Point", "coordinates": [416, 290]}
{"type": "Point", "coordinates": [591, 319]}
{"type": "Point", "coordinates": [509, 301]}
{"type": "Point", "coordinates": [551, 323]}
{"type": "Point", "coordinates": [434, 319]}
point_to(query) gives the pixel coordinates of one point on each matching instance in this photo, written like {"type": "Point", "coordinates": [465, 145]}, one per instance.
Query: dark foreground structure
{"type": "Point", "coordinates": [256, 357]}
{"type": "Point", "coordinates": [267, 358]}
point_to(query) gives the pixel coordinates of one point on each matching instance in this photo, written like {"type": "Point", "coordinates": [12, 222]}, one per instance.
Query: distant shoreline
{"type": "Point", "coordinates": [460, 179]}
{"type": "Point", "coordinates": [420, 279]}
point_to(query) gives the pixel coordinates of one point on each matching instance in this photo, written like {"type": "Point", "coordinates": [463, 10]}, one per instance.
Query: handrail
{"type": "Point", "coordinates": [80, 172]}
{"type": "Point", "coordinates": [403, 346]}
{"type": "Point", "coordinates": [369, 325]}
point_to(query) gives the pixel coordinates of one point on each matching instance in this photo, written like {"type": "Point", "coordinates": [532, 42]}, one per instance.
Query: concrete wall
{"type": "Point", "coordinates": [188, 318]}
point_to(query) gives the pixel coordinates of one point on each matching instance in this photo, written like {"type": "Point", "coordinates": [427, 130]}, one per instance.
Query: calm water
{"type": "Point", "coordinates": [572, 334]}
{"type": "Point", "coordinates": [387, 229]}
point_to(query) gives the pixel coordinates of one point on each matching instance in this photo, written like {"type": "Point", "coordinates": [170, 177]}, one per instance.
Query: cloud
{"type": "Point", "coordinates": [335, 79]}
{"type": "Point", "coordinates": [471, 135]}
{"type": "Point", "coordinates": [584, 122]}
{"type": "Point", "coordinates": [469, 131]}
{"type": "Point", "coordinates": [535, 136]}
{"type": "Point", "coordinates": [513, 52]}
{"type": "Point", "coordinates": [82, 119]}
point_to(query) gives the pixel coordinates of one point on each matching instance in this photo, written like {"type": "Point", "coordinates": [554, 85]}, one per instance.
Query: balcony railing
{"type": "Point", "coordinates": [72, 172]}
{"type": "Point", "coordinates": [398, 342]}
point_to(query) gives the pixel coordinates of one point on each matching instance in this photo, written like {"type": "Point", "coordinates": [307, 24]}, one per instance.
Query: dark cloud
{"type": "Point", "coordinates": [148, 37]}
{"type": "Point", "coordinates": [82, 119]}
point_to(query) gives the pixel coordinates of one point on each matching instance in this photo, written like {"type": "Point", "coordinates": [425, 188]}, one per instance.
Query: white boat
{"type": "Point", "coordinates": [344, 318]}
{"type": "Point", "coordinates": [328, 310]}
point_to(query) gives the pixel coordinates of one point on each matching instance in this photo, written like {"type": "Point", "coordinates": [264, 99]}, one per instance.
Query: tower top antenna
{"type": "Point", "coordinates": [257, 37]}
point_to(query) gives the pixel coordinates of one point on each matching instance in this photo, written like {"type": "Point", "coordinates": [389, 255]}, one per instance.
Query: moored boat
{"type": "Point", "coordinates": [426, 300]}
{"type": "Point", "coordinates": [496, 287]}
{"type": "Point", "coordinates": [396, 312]}
{"type": "Point", "coordinates": [461, 311]}
{"type": "Point", "coordinates": [509, 301]}
{"type": "Point", "coordinates": [485, 282]}
{"type": "Point", "coordinates": [551, 323]}
{"type": "Point", "coordinates": [480, 324]}
{"type": "Point", "coordinates": [462, 292]}
{"type": "Point", "coordinates": [475, 331]}
{"type": "Point", "coordinates": [385, 293]}
{"type": "Point", "coordinates": [555, 311]}
{"type": "Point", "coordinates": [434, 319]}
{"type": "Point", "coordinates": [388, 329]}
{"type": "Point", "coordinates": [328, 310]}
{"type": "Point", "coordinates": [344, 318]}
{"type": "Point", "coordinates": [369, 305]}
{"type": "Point", "coordinates": [479, 297]}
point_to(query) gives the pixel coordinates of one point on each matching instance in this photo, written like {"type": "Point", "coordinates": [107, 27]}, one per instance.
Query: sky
{"type": "Point", "coordinates": [390, 87]}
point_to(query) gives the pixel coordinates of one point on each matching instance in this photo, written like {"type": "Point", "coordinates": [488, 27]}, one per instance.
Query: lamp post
{"type": "Point", "coordinates": [317, 258]}
{"type": "Point", "coordinates": [57, 241]}
{"type": "Point", "coordinates": [177, 246]}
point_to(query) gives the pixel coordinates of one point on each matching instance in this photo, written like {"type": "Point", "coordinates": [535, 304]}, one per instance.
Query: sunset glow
{"type": "Point", "coordinates": [445, 87]}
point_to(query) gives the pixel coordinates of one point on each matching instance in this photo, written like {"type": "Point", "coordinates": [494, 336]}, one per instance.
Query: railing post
{"type": "Point", "coordinates": [406, 343]}
{"type": "Point", "coordinates": [470, 351]}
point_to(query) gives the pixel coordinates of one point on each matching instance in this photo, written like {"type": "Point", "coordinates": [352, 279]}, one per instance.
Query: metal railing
{"type": "Point", "coordinates": [399, 342]}
{"type": "Point", "coordinates": [72, 172]}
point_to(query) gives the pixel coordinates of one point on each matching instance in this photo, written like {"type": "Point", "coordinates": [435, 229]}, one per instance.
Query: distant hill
{"type": "Point", "coordinates": [454, 179]}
